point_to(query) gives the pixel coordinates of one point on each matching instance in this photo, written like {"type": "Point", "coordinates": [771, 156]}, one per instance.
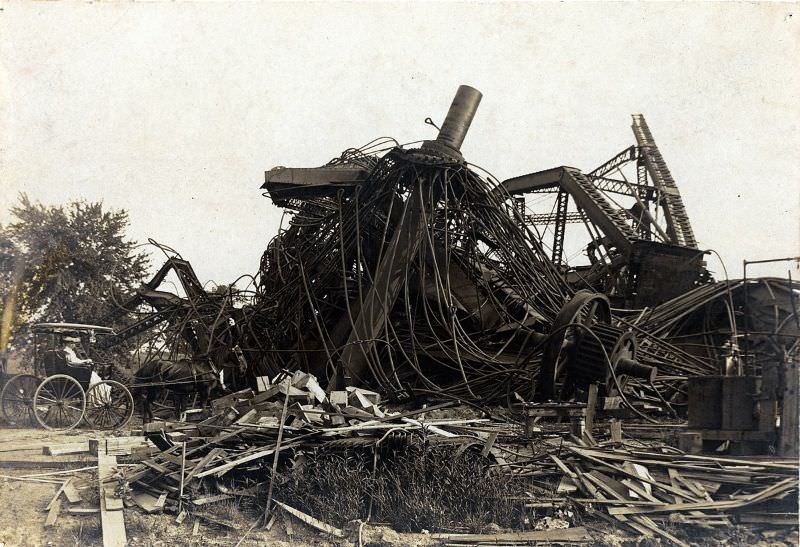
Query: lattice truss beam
{"type": "Point", "coordinates": [616, 209]}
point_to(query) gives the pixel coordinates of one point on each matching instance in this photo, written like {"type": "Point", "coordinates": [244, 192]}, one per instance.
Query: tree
{"type": "Point", "coordinates": [72, 257]}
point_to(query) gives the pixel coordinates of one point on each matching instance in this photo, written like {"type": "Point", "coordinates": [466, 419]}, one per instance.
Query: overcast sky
{"type": "Point", "coordinates": [173, 111]}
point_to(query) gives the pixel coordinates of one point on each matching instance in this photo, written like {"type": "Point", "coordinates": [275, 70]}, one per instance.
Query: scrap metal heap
{"type": "Point", "coordinates": [408, 271]}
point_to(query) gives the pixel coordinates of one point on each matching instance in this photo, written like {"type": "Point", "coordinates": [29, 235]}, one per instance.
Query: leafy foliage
{"type": "Point", "coordinates": [72, 257]}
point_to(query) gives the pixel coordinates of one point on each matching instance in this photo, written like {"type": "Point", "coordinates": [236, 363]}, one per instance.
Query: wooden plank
{"type": "Point", "coordinates": [160, 469]}
{"type": "Point", "coordinates": [147, 502]}
{"type": "Point", "coordinates": [52, 515]}
{"type": "Point", "coordinates": [311, 521]}
{"type": "Point", "coordinates": [72, 494]}
{"type": "Point", "coordinates": [616, 431]}
{"type": "Point", "coordinates": [639, 491]}
{"type": "Point", "coordinates": [65, 448]}
{"type": "Point", "coordinates": [224, 468]}
{"type": "Point", "coordinates": [788, 446]}
{"type": "Point", "coordinates": [162, 499]}
{"type": "Point", "coordinates": [557, 535]}
{"type": "Point", "coordinates": [204, 461]}
{"type": "Point", "coordinates": [211, 499]}
{"type": "Point", "coordinates": [111, 514]}
{"type": "Point", "coordinates": [262, 383]}
{"type": "Point", "coordinates": [618, 491]}
{"type": "Point", "coordinates": [587, 454]}
{"type": "Point", "coordinates": [57, 495]}
{"type": "Point", "coordinates": [487, 448]}
{"type": "Point", "coordinates": [26, 479]}
{"type": "Point", "coordinates": [270, 523]}
{"type": "Point", "coordinates": [214, 519]}
{"type": "Point", "coordinates": [591, 404]}
{"type": "Point", "coordinates": [594, 492]}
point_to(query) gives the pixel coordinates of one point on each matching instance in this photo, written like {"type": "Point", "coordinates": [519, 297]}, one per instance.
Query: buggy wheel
{"type": "Point", "coordinates": [16, 399]}
{"type": "Point", "coordinates": [59, 402]}
{"type": "Point", "coordinates": [109, 405]}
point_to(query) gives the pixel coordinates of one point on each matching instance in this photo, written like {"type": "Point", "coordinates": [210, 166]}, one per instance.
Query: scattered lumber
{"type": "Point", "coordinates": [639, 487]}
{"type": "Point", "coordinates": [119, 446]}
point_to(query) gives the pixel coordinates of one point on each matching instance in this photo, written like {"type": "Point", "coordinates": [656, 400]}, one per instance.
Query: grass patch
{"type": "Point", "coordinates": [413, 487]}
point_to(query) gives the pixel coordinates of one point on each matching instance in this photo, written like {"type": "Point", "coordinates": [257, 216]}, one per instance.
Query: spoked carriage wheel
{"type": "Point", "coordinates": [59, 402]}
{"type": "Point", "coordinates": [16, 400]}
{"type": "Point", "coordinates": [109, 405]}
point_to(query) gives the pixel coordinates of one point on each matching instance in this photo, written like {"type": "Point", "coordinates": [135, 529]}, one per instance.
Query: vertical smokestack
{"type": "Point", "coordinates": [459, 117]}
{"type": "Point", "coordinates": [457, 122]}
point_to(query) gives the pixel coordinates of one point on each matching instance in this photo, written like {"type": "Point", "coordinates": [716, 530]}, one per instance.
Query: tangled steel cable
{"type": "Point", "coordinates": [473, 286]}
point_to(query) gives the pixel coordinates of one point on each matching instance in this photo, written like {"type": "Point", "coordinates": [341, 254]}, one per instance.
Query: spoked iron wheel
{"type": "Point", "coordinates": [59, 402]}
{"type": "Point", "coordinates": [109, 405]}
{"type": "Point", "coordinates": [16, 400]}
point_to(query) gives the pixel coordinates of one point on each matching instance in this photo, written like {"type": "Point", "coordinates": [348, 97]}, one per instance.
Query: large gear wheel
{"type": "Point", "coordinates": [598, 355]}
{"type": "Point", "coordinates": [587, 309]}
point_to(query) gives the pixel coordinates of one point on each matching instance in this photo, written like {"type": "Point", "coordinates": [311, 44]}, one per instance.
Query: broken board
{"type": "Point", "coordinates": [111, 514]}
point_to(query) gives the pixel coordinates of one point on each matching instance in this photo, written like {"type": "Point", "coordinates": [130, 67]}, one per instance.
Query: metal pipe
{"type": "Point", "coordinates": [636, 369]}
{"type": "Point", "coordinates": [459, 118]}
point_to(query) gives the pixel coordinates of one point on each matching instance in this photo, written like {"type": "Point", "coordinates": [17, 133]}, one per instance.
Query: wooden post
{"type": "Point", "coordinates": [616, 431]}
{"type": "Point", "coordinates": [183, 469]}
{"type": "Point", "coordinates": [789, 424]}
{"type": "Point", "coordinates": [591, 405]}
{"type": "Point", "coordinates": [275, 456]}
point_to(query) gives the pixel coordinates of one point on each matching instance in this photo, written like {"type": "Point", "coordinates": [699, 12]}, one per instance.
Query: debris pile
{"type": "Point", "coordinates": [637, 486]}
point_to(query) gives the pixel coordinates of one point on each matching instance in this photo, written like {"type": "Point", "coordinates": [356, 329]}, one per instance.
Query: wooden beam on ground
{"type": "Point", "coordinates": [578, 534]}
{"type": "Point", "coordinates": [52, 515]}
{"type": "Point", "coordinates": [111, 514]}
{"type": "Point", "coordinates": [65, 448]}
{"type": "Point", "coordinates": [311, 521]}
{"type": "Point", "coordinates": [72, 494]}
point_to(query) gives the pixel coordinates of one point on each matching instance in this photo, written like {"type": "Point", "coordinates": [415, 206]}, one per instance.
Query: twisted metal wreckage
{"type": "Point", "coordinates": [408, 271]}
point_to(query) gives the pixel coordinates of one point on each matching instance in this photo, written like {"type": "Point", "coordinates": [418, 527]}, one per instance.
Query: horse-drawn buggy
{"type": "Point", "coordinates": [66, 387]}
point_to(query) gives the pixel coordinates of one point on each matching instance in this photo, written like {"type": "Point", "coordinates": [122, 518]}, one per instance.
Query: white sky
{"type": "Point", "coordinates": [174, 110]}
